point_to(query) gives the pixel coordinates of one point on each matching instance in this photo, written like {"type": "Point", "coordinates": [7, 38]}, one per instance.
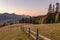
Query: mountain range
{"type": "Point", "coordinates": [6, 17]}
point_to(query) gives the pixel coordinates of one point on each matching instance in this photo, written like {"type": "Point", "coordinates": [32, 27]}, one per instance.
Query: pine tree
{"type": "Point", "coordinates": [50, 8]}
{"type": "Point", "coordinates": [57, 7]}
{"type": "Point", "coordinates": [53, 8]}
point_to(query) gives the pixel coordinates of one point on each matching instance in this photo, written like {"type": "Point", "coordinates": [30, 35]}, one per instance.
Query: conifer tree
{"type": "Point", "coordinates": [53, 8]}
{"type": "Point", "coordinates": [57, 7]}
{"type": "Point", "coordinates": [50, 8]}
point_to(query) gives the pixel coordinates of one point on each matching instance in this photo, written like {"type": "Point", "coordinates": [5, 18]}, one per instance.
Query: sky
{"type": "Point", "coordinates": [26, 7]}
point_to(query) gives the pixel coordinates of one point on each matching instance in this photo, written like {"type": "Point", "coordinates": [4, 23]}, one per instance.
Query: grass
{"type": "Point", "coordinates": [12, 32]}
{"type": "Point", "coordinates": [51, 31]}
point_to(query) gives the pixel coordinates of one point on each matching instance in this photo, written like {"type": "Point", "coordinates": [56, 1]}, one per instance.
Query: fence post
{"type": "Point", "coordinates": [22, 28]}
{"type": "Point", "coordinates": [37, 35]}
{"type": "Point", "coordinates": [29, 33]}
{"type": "Point", "coordinates": [26, 31]}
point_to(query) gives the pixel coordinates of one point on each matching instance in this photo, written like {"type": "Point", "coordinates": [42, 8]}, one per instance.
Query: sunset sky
{"type": "Point", "coordinates": [26, 7]}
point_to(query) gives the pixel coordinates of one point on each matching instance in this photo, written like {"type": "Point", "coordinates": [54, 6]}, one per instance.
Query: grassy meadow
{"type": "Point", "coordinates": [12, 32]}
{"type": "Point", "coordinates": [51, 31]}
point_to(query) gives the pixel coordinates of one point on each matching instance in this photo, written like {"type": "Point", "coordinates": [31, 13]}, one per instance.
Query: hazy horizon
{"type": "Point", "coordinates": [26, 7]}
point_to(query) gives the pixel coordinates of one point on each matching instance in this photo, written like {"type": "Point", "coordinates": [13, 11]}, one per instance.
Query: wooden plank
{"type": "Point", "coordinates": [45, 38]}
{"type": "Point", "coordinates": [33, 36]}
{"type": "Point", "coordinates": [41, 36]}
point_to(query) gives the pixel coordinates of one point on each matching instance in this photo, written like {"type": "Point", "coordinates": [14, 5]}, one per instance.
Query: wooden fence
{"type": "Point", "coordinates": [34, 35]}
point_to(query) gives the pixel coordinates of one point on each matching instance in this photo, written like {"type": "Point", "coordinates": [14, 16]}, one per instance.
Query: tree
{"type": "Point", "coordinates": [53, 9]}
{"type": "Point", "coordinates": [57, 18]}
{"type": "Point", "coordinates": [50, 8]}
{"type": "Point", "coordinates": [57, 7]}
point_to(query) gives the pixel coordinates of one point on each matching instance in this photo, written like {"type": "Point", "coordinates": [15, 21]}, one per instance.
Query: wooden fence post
{"type": "Point", "coordinates": [22, 28]}
{"type": "Point", "coordinates": [26, 31]}
{"type": "Point", "coordinates": [29, 33]}
{"type": "Point", "coordinates": [37, 35]}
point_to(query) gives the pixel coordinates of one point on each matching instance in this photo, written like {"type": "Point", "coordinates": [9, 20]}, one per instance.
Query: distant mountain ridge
{"type": "Point", "coordinates": [5, 16]}
{"type": "Point", "coordinates": [11, 17]}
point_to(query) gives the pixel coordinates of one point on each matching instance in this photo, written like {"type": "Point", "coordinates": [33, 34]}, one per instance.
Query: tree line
{"type": "Point", "coordinates": [53, 16]}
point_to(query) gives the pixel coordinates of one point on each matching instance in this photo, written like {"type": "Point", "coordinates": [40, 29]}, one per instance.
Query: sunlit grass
{"type": "Point", "coordinates": [51, 31]}
{"type": "Point", "coordinates": [12, 33]}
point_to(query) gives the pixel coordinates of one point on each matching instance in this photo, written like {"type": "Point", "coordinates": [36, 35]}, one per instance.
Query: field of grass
{"type": "Point", "coordinates": [12, 32]}
{"type": "Point", "coordinates": [51, 31]}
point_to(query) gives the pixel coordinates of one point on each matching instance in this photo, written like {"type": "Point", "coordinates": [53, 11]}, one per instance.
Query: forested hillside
{"type": "Point", "coordinates": [53, 16]}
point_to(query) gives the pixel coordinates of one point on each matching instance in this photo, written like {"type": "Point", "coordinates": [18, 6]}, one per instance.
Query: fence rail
{"type": "Point", "coordinates": [29, 33]}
